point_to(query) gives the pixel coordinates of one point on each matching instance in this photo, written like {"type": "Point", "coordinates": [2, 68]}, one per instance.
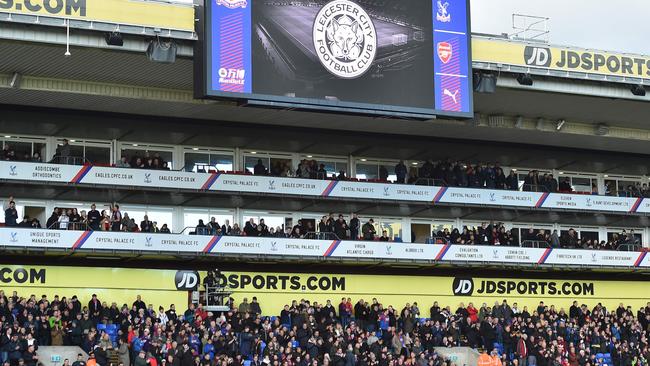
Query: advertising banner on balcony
{"type": "Point", "coordinates": [358, 250]}
{"type": "Point", "coordinates": [219, 182]}
{"type": "Point", "coordinates": [276, 289]}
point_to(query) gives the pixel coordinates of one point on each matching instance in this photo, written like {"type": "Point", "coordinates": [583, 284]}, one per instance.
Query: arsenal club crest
{"type": "Point", "coordinates": [444, 52]}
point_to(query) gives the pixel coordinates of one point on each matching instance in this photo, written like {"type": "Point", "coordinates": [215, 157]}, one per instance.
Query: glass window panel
{"type": "Point", "coordinates": [393, 229]}
{"type": "Point", "coordinates": [222, 162]}
{"type": "Point", "coordinates": [22, 150]}
{"type": "Point", "coordinates": [132, 154]}
{"type": "Point", "coordinates": [251, 161]}
{"type": "Point", "coordinates": [98, 155]}
{"type": "Point", "coordinates": [367, 171]}
{"type": "Point", "coordinates": [19, 208]}
{"type": "Point", "coordinates": [40, 149]}
{"type": "Point", "coordinates": [197, 162]}
{"type": "Point", "coordinates": [76, 151]}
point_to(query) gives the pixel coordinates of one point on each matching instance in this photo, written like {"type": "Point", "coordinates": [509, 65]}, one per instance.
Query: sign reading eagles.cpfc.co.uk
{"type": "Point", "coordinates": [406, 57]}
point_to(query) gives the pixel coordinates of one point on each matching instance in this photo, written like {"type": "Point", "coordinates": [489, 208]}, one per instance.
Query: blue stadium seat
{"type": "Point", "coordinates": [397, 239]}
{"type": "Point", "coordinates": [247, 363]}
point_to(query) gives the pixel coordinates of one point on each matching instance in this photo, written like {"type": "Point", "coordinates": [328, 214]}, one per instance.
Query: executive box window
{"type": "Point", "coordinates": [22, 149]}
{"type": "Point", "coordinates": [207, 161]}
{"type": "Point", "coordinates": [367, 170]}
{"type": "Point", "coordinates": [135, 152]}
{"type": "Point", "coordinates": [275, 165]}
{"type": "Point", "coordinates": [86, 151]}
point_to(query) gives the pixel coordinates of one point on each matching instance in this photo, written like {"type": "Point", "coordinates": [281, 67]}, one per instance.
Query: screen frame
{"type": "Point", "coordinates": [203, 76]}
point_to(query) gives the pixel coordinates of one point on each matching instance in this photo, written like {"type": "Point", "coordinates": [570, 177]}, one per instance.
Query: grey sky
{"type": "Point", "coordinates": [596, 24]}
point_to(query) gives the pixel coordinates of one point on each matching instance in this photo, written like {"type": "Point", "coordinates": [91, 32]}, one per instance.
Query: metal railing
{"type": "Point", "coordinates": [631, 247]}
{"type": "Point", "coordinates": [321, 236]}
{"type": "Point", "coordinates": [430, 182]}
{"type": "Point", "coordinates": [69, 160]}
{"type": "Point", "coordinates": [436, 240]}
{"type": "Point", "coordinates": [534, 188]}
{"type": "Point", "coordinates": [535, 244]}
{"type": "Point", "coordinates": [75, 226]}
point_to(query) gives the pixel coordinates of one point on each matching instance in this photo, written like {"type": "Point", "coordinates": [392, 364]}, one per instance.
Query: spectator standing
{"type": "Point", "coordinates": [63, 152]}
{"type": "Point", "coordinates": [354, 227]}
{"type": "Point", "coordinates": [116, 218]}
{"type": "Point", "coordinates": [400, 172]}
{"type": "Point", "coordinates": [341, 228]}
{"type": "Point", "coordinates": [64, 220]}
{"type": "Point", "coordinates": [146, 226]}
{"type": "Point", "coordinates": [11, 214]}
{"type": "Point", "coordinates": [259, 168]}
{"type": "Point", "coordinates": [512, 182]}
{"type": "Point", "coordinates": [368, 230]}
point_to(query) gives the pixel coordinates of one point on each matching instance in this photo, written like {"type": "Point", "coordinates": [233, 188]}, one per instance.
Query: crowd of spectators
{"type": "Point", "coordinates": [147, 161]}
{"type": "Point", "coordinates": [497, 234]}
{"type": "Point", "coordinates": [304, 229]}
{"type": "Point", "coordinates": [10, 154]}
{"type": "Point", "coordinates": [329, 227]}
{"type": "Point", "coordinates": [111, 219]}
{"type": "Point", "coordinates": [443, 172]}
{"type": "Point", "coordinates": [447, 172]}
{"type": "Point", "coordinates": [310, 333]}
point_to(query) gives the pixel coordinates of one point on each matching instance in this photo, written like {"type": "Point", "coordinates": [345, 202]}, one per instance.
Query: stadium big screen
{"type": "Point", "coordinates": [390, 57]}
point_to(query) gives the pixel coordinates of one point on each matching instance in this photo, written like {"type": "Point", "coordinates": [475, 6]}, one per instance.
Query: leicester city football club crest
{"type": "Point", "coordinates": [345, 39]}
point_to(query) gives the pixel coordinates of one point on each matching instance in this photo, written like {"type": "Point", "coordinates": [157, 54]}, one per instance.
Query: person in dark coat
{"type": "Point", "coordinates": [354, 227]}
{"type": "Point", "coordinates": [11, 215]}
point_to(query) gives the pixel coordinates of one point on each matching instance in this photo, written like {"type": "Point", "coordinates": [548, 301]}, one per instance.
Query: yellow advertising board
{"type": "Point", "coordinates": [558, 58]}
{"type": "Point", "coordinates": [274, 290]}
{"type": "Point", "coordinates": [127, 12]}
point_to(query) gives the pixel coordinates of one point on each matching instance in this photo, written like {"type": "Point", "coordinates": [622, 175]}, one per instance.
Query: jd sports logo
{"type": "Point", "coordinates": [186, 280]}
{"type": "Point", "coordinates": [463, 287]}
{"type": "Point", "coordinates": [537, 56]}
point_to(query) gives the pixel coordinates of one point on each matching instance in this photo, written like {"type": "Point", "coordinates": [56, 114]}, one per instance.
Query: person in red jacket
{"type": "Point", "coordinates": [473, 313]}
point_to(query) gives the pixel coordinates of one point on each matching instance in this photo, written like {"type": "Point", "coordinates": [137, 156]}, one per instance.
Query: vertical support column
{"type": "Point", "coordinates": [352, 167]}
{"type": "Point", "coordinates": [115, 152]}
{"type": "Point", "coordinates": [50, 148]}
{"type": "Point", "coordinates": [406, 230]}
{"type": "Point", "coordinates": [178, 219]}
{"type": "Point", "coordinates": [601, 184]}
{"type": "Point", "coordinates": [238, 160]}
{"type": "Point", "coordinates": [238, 217]}
{"type": "Point", "coordinates": [178, 157]}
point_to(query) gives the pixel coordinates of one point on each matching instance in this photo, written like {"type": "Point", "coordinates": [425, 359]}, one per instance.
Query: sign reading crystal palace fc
{"type": "Point", "coordinates": [345, 39]}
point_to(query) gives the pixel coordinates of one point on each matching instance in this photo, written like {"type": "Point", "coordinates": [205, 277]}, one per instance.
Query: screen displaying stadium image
{"type": "Point", "coordinates": [371, 56]}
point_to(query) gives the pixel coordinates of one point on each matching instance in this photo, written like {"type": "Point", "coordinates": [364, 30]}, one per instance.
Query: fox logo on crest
{"type": "Point", "coordinates": [345, 38]}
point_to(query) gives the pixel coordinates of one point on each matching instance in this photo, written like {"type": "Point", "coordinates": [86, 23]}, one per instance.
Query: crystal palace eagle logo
{"type": "Point", "coordinates": [442, 14]}
{"type": "Point", "coordinates": [233, 4]}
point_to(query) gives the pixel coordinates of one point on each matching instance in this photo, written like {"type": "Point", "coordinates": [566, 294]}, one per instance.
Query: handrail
{"type": "Point", "coordinates": [629, 247]}
{"type": "Point", "coordinates": [534, 188]}
{"type": "Point", "coordinates": [430, 182]}
{"type": "Point", "coordinates": [321, 236]}
{"type": "Point", "coordinates": [535, 244]}
{"type": "Point", "coordinates": [436, 240]}
{"type": "Point", "coordinates": [69, 160]}
{"type": "Point", "coordinates": [74, 226]}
